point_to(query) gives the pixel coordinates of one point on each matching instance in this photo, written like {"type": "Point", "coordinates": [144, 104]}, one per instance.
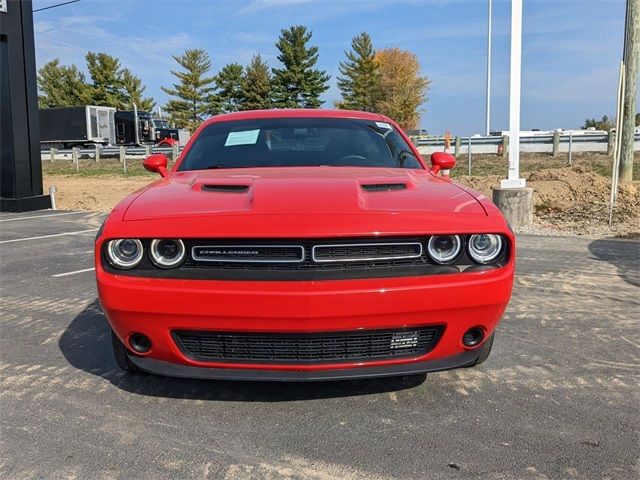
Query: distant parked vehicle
{"type": "Point", "coordinates": [86, 125]}
{"type": "Point", "coordinates": [150, 131]}
{"type": "Point", "coordinates": [90, 125]}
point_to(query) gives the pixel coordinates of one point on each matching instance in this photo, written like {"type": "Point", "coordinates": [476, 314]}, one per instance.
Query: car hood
{"type": "Point", "coordinates": [300, 190]}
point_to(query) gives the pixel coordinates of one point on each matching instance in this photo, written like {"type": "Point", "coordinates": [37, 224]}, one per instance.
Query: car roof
{"type": "Point", "coordinates": [295, 113]}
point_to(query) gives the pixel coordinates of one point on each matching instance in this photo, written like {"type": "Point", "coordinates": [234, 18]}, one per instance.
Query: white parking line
{"type": "Point", "coordinates": [49, 236]}
{"type": "Point", "coordinates": [74, 272]}
{"type": "Point", "coordinates": [40, 216]}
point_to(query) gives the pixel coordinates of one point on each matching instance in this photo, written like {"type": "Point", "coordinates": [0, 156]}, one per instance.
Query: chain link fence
{"type": "Point", "coordinates": [555, 145]}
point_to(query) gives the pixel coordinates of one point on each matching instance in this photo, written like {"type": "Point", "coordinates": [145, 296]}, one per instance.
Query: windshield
{"type": "Point", "coordinates": [161, 124]}
{"type": "Point", "coordinates": [299, 142]}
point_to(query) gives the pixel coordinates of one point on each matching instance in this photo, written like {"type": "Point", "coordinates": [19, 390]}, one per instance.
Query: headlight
{"type": "Point", "coordinates": [124, 252]}
{"type": "Point", "coordinates": [485, 247]}
{"type": "Point", "coordinates": [167, 253]}
{"type": "Point", "coordinates": [444, 249]}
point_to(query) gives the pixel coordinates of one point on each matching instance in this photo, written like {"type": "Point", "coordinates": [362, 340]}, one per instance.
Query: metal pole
{"type": "Point", "coordinates": [52, 194]}
{"type": "Point", "coordinates": [616, 148]}
{"type": "Point", "coordinates": [487, 121]}
{"type": "Point", "coordinates": [469, 155]}
{"type": "Point", "coordinates": [570, 146]}
{"type": "Point", "coordinates": [136, 124]}
{"type": "Point", "coordinates": [514, 180]}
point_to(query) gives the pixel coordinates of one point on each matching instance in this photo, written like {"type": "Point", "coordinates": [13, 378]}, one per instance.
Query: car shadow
{"type": "Point", "coordinates": [623, 254]}
{"type": "Point", "coordinates": [86, 345]}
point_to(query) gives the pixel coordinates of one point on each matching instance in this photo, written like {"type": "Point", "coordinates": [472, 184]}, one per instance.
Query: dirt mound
{"type": "Point", "coordinates": [567, 200]}
{"type": "Point", "coordinates": [575, 200]}
{"type": "Point", "coordinates": [98, 194]}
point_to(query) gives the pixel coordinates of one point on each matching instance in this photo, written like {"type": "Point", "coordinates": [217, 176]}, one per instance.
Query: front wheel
{"type": "Point", "coordinates": [120, 352]}
{"type": "Point", "coordinates": [485, 350]}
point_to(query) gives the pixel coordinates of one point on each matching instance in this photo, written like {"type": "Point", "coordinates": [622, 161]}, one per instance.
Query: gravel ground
{"type": "Point", "coordinates": [558, 398]}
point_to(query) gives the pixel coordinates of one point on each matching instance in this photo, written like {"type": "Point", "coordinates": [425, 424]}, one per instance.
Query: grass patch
{"type": "Point", "coordinates": [481, 165]}
{"type": "Point", "coordinates": [90, 168]}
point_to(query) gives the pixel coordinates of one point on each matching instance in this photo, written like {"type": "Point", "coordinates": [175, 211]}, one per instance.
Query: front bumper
{"type": "Point", "coordinates": [157, 307]}
{"type": "Point", "coordinates": [158, 367]}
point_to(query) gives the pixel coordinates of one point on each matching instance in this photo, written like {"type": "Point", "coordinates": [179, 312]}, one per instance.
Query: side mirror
{"type": "Point", "coordinates": [442, 161]}
{"type": "Point", "coordinates": [156, 163]}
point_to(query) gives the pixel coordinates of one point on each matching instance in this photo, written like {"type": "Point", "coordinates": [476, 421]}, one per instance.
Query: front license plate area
{"type": "Point", "coordinates": [401, 340]}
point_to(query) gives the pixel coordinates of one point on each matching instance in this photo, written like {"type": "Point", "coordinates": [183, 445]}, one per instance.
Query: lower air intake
{"type": "Point", "coordinates": [329, 347]}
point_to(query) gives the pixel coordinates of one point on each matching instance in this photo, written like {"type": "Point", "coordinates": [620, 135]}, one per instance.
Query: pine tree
{"type": "Point", "coordinates": [256, 85]}
{"type": "Point", "coordinates": [133, 90]}
{"type": "Point", "coordinates": [192, 92]}
{"type": "Point", "coordinates": [403, 88]}
{"type": "Point", "coordinates": [229, 96]}
{"type": "Point", "coordinates": [106, 80]}
{"type": "Point", "coordinates": [61, 85]}
{"type": "Point", "coordinates": [360, 81]}
{"type": "Point", "coordinates": [298, 84]}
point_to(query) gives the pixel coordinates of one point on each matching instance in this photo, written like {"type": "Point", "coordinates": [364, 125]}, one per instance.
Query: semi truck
{"type": "Point", "coordinates": [90, 125]}
{"type": "Point", "coordinates": [86, 125]}
{"type": "Point", "coordinates": [137, 127]}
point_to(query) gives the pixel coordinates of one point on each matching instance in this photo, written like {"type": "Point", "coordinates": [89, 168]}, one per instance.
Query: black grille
{"type": "Point", "coordinates": [371, 260]}
{"type": "Point", "coordinates": [384, 187]}
{"type": "Point", "coordinates": [366, 252]}
{"type": "Point", "coordinates": [278, 259]}
{"type": "Point", "coordinates": [248, 253]}
{"type": "Point", "coordinates": [332, 347]}
{"type": "Point", "coordinates": [225, 188]}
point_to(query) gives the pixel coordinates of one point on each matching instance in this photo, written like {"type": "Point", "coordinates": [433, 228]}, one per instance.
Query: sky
{"type": "Point", "coordinates": [570, 56]}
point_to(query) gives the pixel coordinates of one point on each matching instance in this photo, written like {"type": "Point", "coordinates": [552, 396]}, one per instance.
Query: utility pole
{"type": "Point", "coordinates": [487, 121]}
{"type": "Point", "coordinates": [513, 197]}
{"type": "Point", "coordinates": [630, 58]}
{"type": "Point", "coordinates": [514, 180]}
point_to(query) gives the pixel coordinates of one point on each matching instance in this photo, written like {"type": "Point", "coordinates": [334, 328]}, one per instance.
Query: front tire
{"type": "Point", "coordinates": [120, 353]}
{"type": "Point", "coordinates": [485, 350]}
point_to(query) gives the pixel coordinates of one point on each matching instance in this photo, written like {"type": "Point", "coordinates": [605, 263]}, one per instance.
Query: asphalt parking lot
{"type": "Point", "coordinates": [558, 398]}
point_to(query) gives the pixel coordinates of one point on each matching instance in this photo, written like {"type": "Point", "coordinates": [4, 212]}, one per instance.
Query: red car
{"type": "Point", "coordinates": [303, 245]}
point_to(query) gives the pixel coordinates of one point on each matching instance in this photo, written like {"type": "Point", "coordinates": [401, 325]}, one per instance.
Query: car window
{"type": "Point", "coordinates": [295, 142]}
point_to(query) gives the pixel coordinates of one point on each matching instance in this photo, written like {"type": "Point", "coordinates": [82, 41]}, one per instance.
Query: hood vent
{"type": "Point", "coordinates": [225, 188]}
{"type": "Point", "coordinates": [384, 187]}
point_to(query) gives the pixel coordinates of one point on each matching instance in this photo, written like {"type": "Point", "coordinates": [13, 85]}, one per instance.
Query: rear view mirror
{"type": "Point", "coordinates": [156, 163]}
{"type": "Point", "coordinates": [442, 161]}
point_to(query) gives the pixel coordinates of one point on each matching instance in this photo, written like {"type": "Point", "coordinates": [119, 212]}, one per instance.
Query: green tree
{"type": "Point", "coordinates": [229, 95]}
{"type": "Point", "coordinates": [106, 86]}
{"type": "Point", "coordinates": [605, 123]}
{"type": "Point", "coordinates": [192, 92]}
{"type": "Point", "coordinates": [256, 85]}
{"type": "Point", "coordinates": [360, 80]}
{"type": "Point", "coordinates": [298, 84]}
{"type": "Point", "coordinates": [61, 85]}
{"type": "Point", "coordinates": [133, 90]}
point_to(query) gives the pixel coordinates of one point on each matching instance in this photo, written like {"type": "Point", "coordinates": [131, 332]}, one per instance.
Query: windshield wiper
{"type": "Point", "coordinates": [215, 165]}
